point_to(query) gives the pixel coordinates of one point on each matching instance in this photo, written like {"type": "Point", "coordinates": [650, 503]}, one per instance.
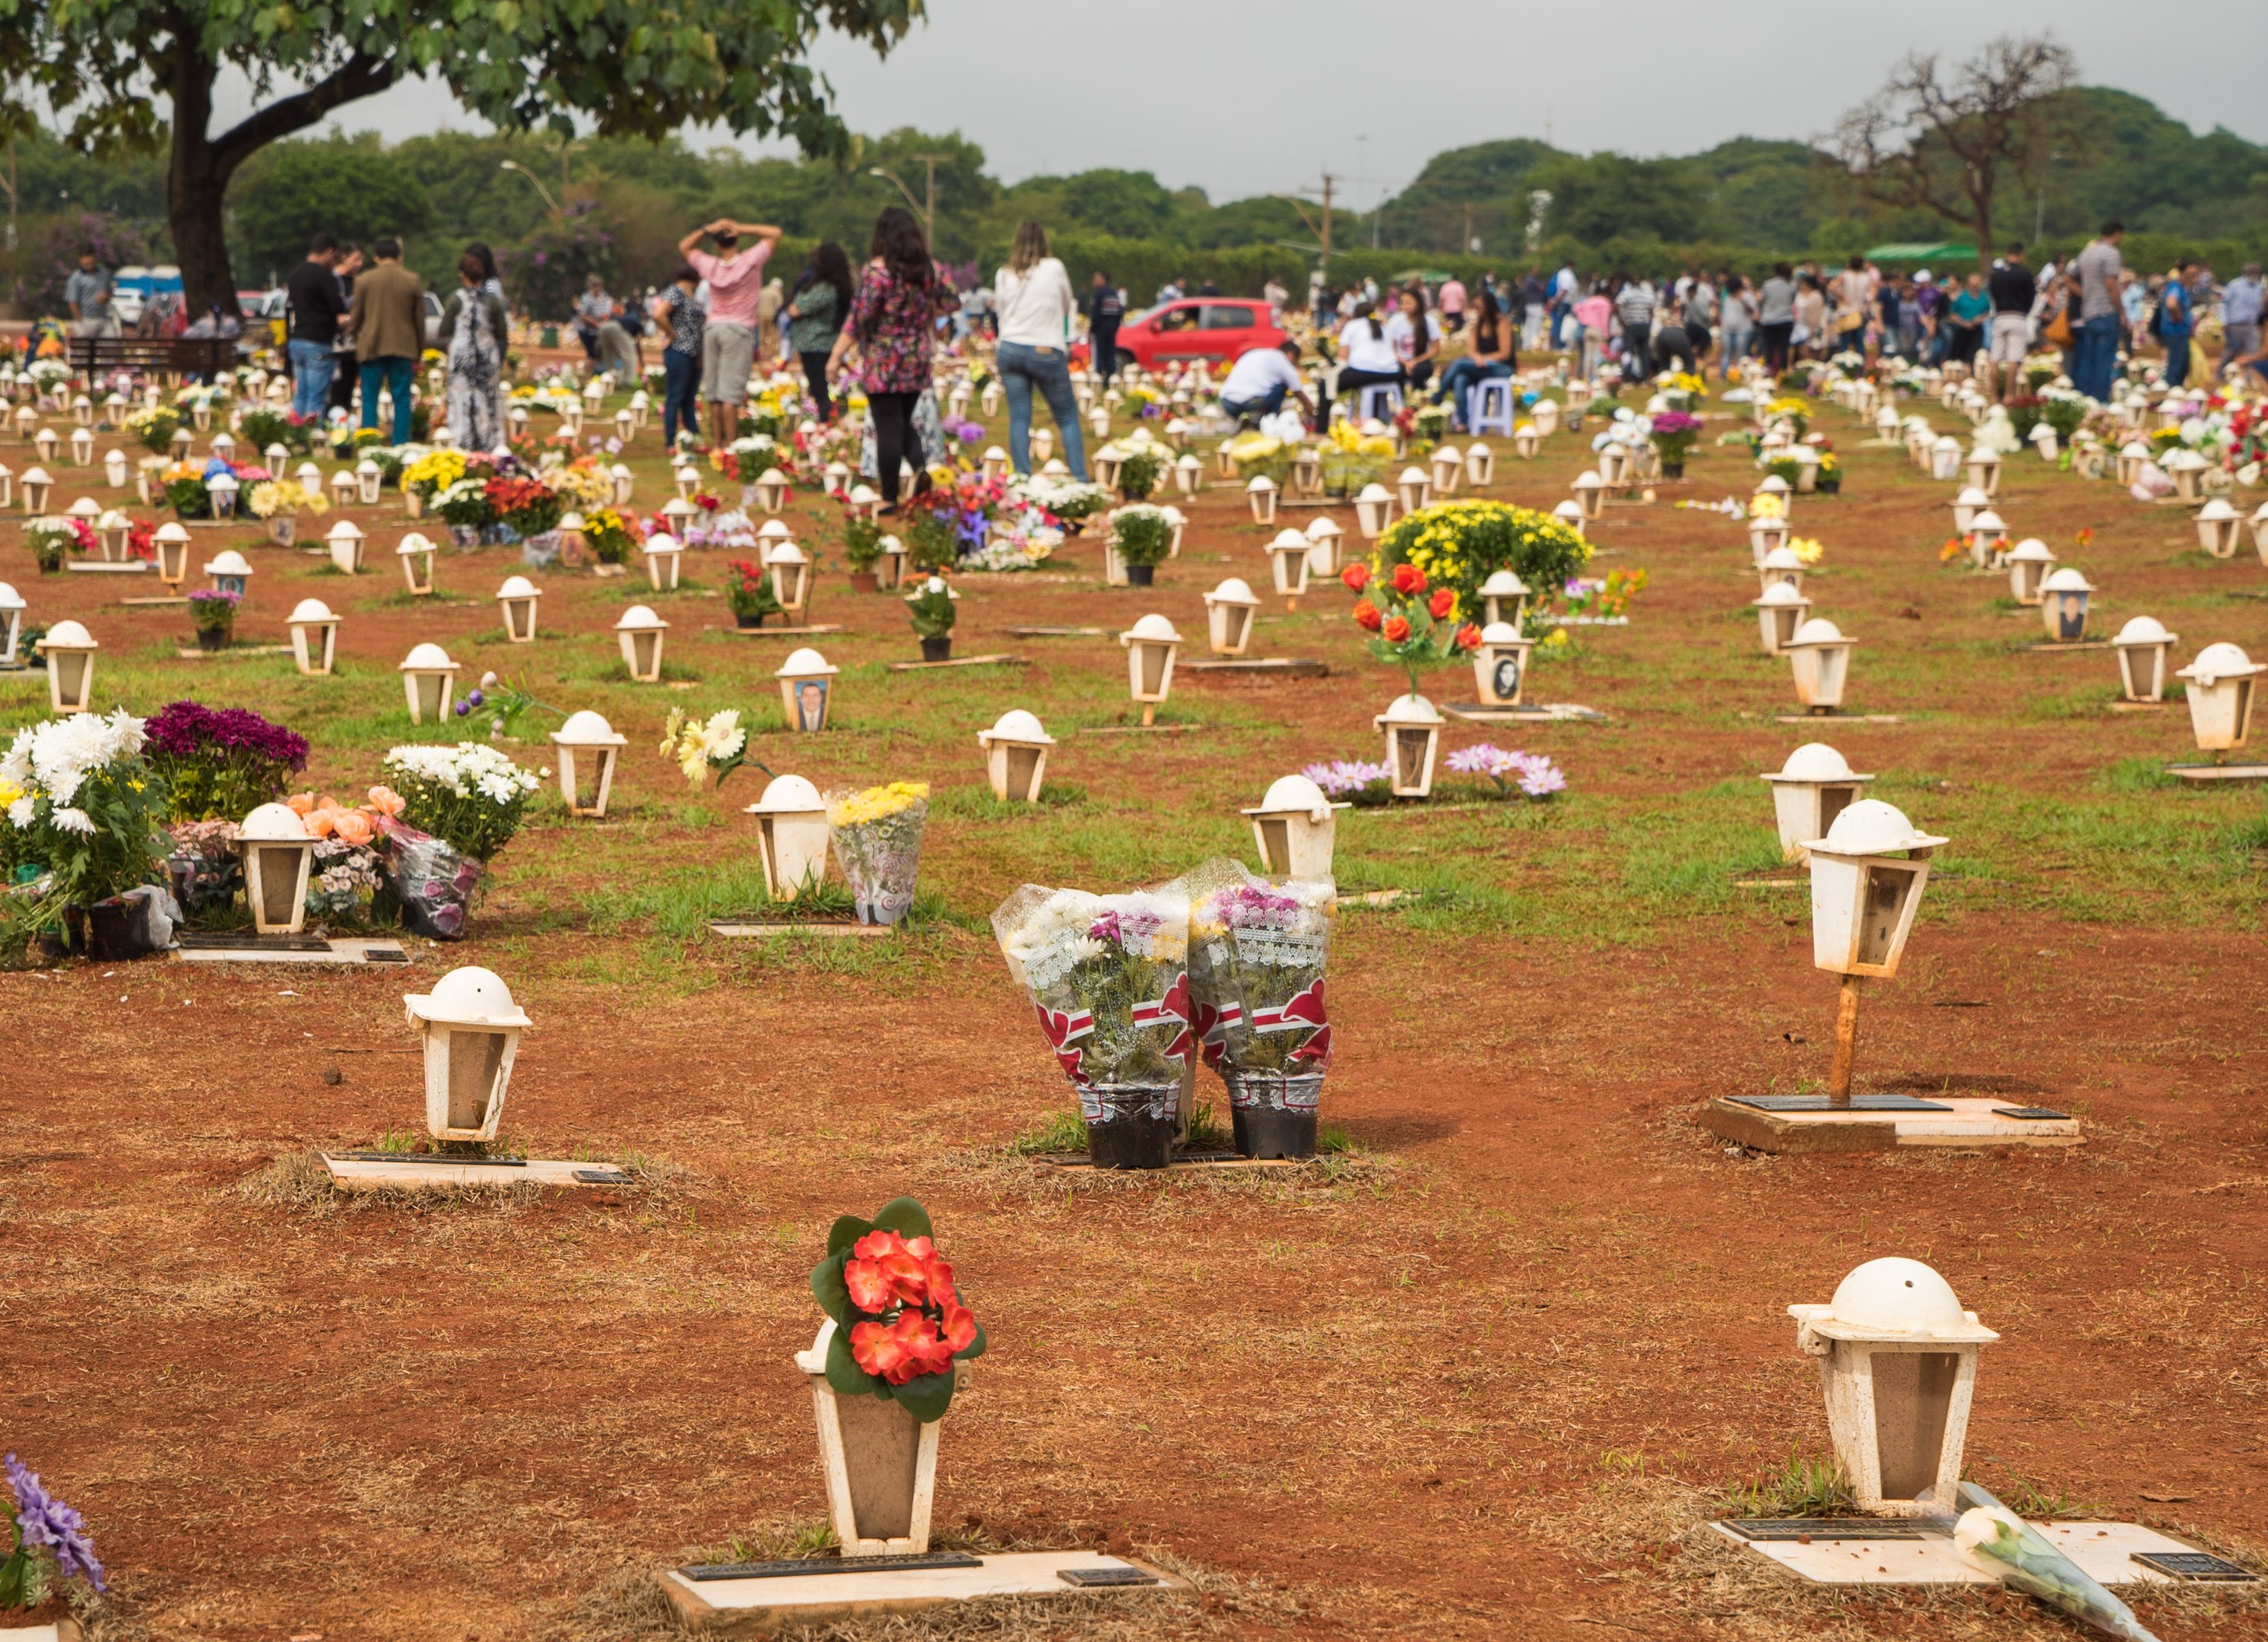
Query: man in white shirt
{"type": "Point", "coordinates": [1260, 379]}
{"type": "Point", "coordinates": [1563, 299]}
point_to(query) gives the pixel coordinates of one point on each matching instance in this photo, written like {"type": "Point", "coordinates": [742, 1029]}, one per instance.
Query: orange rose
{"type": "Point", "coordinates": [1357, 577]}
{"type": "Point", "coordinates": [320, 823]}
{"type": "Point", "coordinates": [354, 827]}
{"type": "Point", "coordinates": [1469, 636]}
{"type": "Point", "coordinates": [1442, 602]}
{"type": "Point", "coordinates": [386, 800]}
{"type": "Point", "coordinates": [1396, 629]}
{"type": "Point", "coordinates": [1365, 614]}
{"type": "Point", "coordinates": [1407, 580]}
{"type": "Point", "coordinates": [301, 802]}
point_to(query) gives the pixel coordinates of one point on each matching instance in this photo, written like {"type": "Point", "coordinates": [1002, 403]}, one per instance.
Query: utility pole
{"type": "Point", "coordinates": [11, 194]}
{"type": "Point", "coordinates": [1324, 264]}
{"type": "Point", "coordinates": [1465, 246]}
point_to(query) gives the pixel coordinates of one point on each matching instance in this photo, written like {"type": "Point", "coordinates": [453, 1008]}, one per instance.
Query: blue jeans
{"type": "Point", "coordinates": [2177, 359]}
{"type": "Point", "coordinates": [681, 395]}
{"type": "Point", "coordinates": [1267, 405]}
{"type": "Point", "coordinates": [2095, 356]}
{"type": "Point", "coordinates": [312, 365]}
{"type": "Point", "coordinates": [1022, 368]}
{"type": "Point", "coordinates": [1458, 380]}
{"type": "Point", "coordinates": [394, 373]}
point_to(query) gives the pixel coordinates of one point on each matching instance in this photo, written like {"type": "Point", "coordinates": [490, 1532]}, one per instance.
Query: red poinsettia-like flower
{"type": "Point", "coordinates": [1365, 614]}
{"type": "Point", "coordinates": [1408, 579]}
{"type": "Point", "coordinates": [1356, 576]}
{"type": "Point", "coordinates": [898, 1352]}
{"type": "Point", "coordinates": [888, 1270]}
{"type": "Point", "coordinates": [1442, 602]}
{"type": "Point", "coordinates": [1396, 629]}
{"type": "Point", "coordinates": [960, 1328]}
{"type": "Point", "coordinates": [1469, 636]}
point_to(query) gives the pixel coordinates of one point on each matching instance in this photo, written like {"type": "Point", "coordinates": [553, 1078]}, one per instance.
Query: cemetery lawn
{"type": "Point", "coordinates": [1482, 1373]}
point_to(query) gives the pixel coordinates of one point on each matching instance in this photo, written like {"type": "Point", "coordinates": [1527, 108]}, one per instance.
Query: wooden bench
{"type": "Point", "coordinates": [153, 356]}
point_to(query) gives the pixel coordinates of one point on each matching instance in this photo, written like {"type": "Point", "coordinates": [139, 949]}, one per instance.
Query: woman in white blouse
{"type": "Point", "coordinates": [1367, 354]}
{"type": "Point", "coordinates": [1033, 304]}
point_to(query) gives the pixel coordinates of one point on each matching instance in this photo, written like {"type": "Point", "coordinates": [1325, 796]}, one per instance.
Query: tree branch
{"type": "Point", "coordinates": [359, 76]}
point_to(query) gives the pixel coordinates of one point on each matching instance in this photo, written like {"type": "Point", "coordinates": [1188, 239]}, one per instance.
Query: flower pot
{"type": "Point", "coordinates": [938, 648]}
{"type": "Point", "coordinates": [745, 621]}
{"type": "Point", "coordinates": [1673, 469]}
{"type": "Point", "coordinates": [1141, 575]}
{"type": "Point", "coordinates": [213, 637]}
{"type": "Point", "coordinates": [1131, 1126]}
{"type": "Point", "coordinates": [109, 931]}
{"type": "Point", "coordinates": [866, 581]}
{"type": "Point", "coordinates": [1273, 1113]}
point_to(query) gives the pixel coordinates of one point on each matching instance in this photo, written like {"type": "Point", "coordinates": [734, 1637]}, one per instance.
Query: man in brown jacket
{"type": "Point", "coordinates": [387, 322]}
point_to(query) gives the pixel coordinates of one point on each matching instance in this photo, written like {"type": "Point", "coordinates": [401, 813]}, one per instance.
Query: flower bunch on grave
{"type": "Point", "coordinates": [1257, 951]}
{"type": "Point", "coordinates": [745, 458]}
{"type": "Point", "coordinates": [1533, 775]}
{"type": "Point", "coordinates": [930, 607]}
{"type": "Point", "coordinates": [273, 496]}
{"type": "Point", "coordinates": [611, 536]}
{"type": "Point", "coordinates": [1459, 544]}
{"type": "Point", "coordinates": [732, 528]}
{"type": "Point", "coordinates": [213, 610]}
{"type": "Point", "coordinates": [900, 1324]}
{"type": "Point", "coordinates": [877, 833]}
{"type": "Point", "coordinates": [262, 427]}
{"type": "Point", "coordinates": [1792, 409]}
{"type": "Point", "coordinates": [50, 1542]}
{"type": "Point", "coordinates": [469, 796]}
{"type": "Point", "coordinates": [701, 747]}
{"type": "Point", "coordinates": [1358, 781]}
{"type": "Point", "coordinates": [750, 591]}
{"type": "Point", "coordinates": [346, 866]}
{"type": "Point", "coordinates": [1142, 534]}
{"type": "Point", "coordinates": [221, 762]}
{"type": "Point", "coordinates": [1140, 471]}
{"type": "Point", "coordinates": [83, 809]}
{"type": "Point", "coordinates": [465, 505]}
{"type": "Point", "coordinates": [862, 541]}
{"type": "Point", "coordinates": [953, 517]}
{"type": "Point", "coordinates": [1673, 432]}
{"type": "Point", "coordinates": [433, 473]}
{"type": "Point", "coordinates": [153, 427]}
{"type": "Point", "coordinates": [50, 540]}
{"type": "Point", "coordinates": [1069, 501]}
{"type": "Point", "coordinates": [1108, 975]}
{"type": "Point", "coordinates": [1351, 459]}
{"type": "Point", "coordinates": [1808, 550]}
{"type": "Point", "coordinates": [1596, 599]}
{"type": "Point", "coordinates": [526, 506]}
{"type": "Point", "coordinates": [1416, 624]}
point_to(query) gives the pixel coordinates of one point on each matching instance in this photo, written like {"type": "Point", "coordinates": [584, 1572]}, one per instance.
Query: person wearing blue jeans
{"type": "Point", "coordinates": [1024, 367]}
{"type": "Point", "coordinates": [313, 366]}
{"type": "Point", "coordinates": [394, 376]}
{"type": "Point", "coordinates": [313, 308]}
{"type": "Point", "coordinates": [1262, 379]}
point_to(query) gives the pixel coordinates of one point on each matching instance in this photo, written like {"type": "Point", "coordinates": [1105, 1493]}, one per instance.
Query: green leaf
{"type": "Point", "coordinates": [847, 1230]}
{"type": "Point", "coordinates": [827, 1288]}
{"type": "Point", "coordinates": [926, 1397]}
{"type": "Point", "coordinates": [843, 1373]}
{"type": "Point", "coordinates": [905, 1216]}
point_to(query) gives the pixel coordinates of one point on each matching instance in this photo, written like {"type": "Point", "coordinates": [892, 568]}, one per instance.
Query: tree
{"type": "Point", "coordinates": [629, 67]}
{"type": "Point", "coordinates": [1946, 145]}
{"type": "Point", "coordinates": [350, 189]}
{"type": "Point", "coordinates": [1610, 196]}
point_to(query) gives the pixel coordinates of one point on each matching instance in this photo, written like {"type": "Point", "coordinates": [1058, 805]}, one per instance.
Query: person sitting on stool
{"type": "Point", "coordinates": [1261, 379]}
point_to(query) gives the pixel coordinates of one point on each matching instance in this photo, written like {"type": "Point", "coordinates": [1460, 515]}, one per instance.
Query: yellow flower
{"type": "Point", "coordinates": [1808, 550]}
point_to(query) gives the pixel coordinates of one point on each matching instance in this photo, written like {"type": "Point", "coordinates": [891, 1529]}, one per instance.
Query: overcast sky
{"type": "Point", "coordinates": [1243, 97]}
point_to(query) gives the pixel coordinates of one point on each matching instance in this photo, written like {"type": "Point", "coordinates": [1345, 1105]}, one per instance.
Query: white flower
{"type": "Point", "coordinates": [19, 812]}
{"type": "Point", "coordinates": [75, 820]}
{"type": "Point", "coordinates": [722, 737]}
{"type": "Point", "coordinates": [1085, 947]}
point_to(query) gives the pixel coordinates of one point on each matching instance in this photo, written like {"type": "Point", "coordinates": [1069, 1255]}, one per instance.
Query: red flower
{"type": "Point", "coordinates": [960, 1328]}
{"type": "Point", "coordinates": [1469, 636]}
{"type": "Point", "coordinates": [1356, 576]}
{"type": "Point", "coordinates": [1396, 629]}
{"type": "Point", "coordinates": [1443, 603]}
{"type": "Point", "coordinates": [900, 1350]}
{"type": "Point", "coordinates": [1365, 614]}
{"type": "Point", "coordinates": [1407, 580]}
{"type": "Point", "coordinates": [889, 1270]}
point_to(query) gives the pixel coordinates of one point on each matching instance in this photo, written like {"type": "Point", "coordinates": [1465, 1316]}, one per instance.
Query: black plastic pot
{"type": "Point", "coordinates": [1141, 575]}
{"type": "Point", "coordinates": [1127, 1140]}
{"type": "Point", "coordinates": [1672, 470]}
{"type": "Point", "coordinates": [212, 638]}
{"type": "Point", "coordinates": [740, 620]}
{"type": "Point", "coordinates": [938, 648]}
{"type": "Point", "coordinates": [109, 931]}
{"type": "Point", "coordinates": [1271, 1131]}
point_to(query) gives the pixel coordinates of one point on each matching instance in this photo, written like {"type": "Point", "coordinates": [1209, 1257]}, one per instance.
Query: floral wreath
{"type": "Point", "coordinates": [900, 1325]}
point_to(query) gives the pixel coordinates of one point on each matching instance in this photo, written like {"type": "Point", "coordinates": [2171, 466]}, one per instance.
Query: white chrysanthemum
{"type": "Point", "coordinates": [19, 812]}
{"type": "Point", "coordinates": [16, 767]}
{"type": "Point", "coordinates": [1085, 947]}
{"type": "Point", "coordinates": [76, 820]}
{"type": "Point", "coordinates": [722, 736]}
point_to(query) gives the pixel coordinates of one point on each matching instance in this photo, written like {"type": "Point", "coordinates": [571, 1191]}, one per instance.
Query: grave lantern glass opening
{"type": "Point", "coordinates": [1898, 1366]}
{"type": "Point", "coordinates": [587, 748]}
{"type": "Point", "coordinates": [1412, 727]}
{"type": "Point", "coordinates": [2064, 594]}
{"type": "Point", "coordinates": [1814, 787]}
{"type": "Point", "coordinates": [12, 624]}
{"type": "Point", "coordinates": [1820, 655]}
{"type": "Point", "coordinates": [641, 634]}
{"type": "Point", "coordinates": [2142, 645]}
{"type": "Point", "coordinates": [1500, 665]}
{"type": "Point", "coordinates": [1228, 617]}
{"type": "Point", "coordinates": [171, 542]}
{"type": "Point", "coordinates": [2220, 528]}
{"type": "Point", "coordinates": [1261, 494]}
{"type": "Point", "coordinates": [1293, 828]}
{"type": "Point", "coordinates": [1289, 558]}
{"type": "Point", "coordinates": [1016, 756]}
{"type": "Point", "coordinates": [2029, 564]}
{"type": "Point", "coordinates": [69, 652]}
{"type": "Point", "coordinates": [517, 599]}
{"type": "Point", "coordinates": [278, 853]}
{"type": "Point", "coordinates": [792, 835]}
{"type": "Point", "coordinates": [1868, 874]}
{"type": "Point", "coordinates": [429, 680]}
{"type": "Point", "coordinates": [663, 554]}
{"type": "Point", "coordinates": [791, 574]}
{"type": "Point", "coordinates": [469, 1028]}
{"type": "Point", "coordinates": [229, 572]}
{"type": "Point", "coordinates": [314, 638]}
{"type": "Point", "coordinates": [2220, 691]}
{"type": "Point", "coordinates": [1373, 511]}
{"type": "Point", "coordinates": [416, 555]}
{"type": "Point", "coordinates": [1151, 644]}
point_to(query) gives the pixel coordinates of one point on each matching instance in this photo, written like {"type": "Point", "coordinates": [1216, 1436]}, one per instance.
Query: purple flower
{"type": "Point", "coordinates": [43, 1520]}
{"type": "Point", "coordinates": [1540, 777]}
{"type": "Point", "coordinates": [1343, 776]}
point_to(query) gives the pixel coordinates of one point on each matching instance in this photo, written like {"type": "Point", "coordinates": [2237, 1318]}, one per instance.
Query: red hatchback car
{"type": "Point", "coordinates": [1198, 327]}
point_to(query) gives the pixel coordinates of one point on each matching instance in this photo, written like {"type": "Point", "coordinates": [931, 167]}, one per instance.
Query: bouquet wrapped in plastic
{"type": "Point", "coordinates": [1996, 1540]}
{"type": "Point", "coordinates": [1257, 951]}
{"type": "Point", "coordinates": [435, 882]}
{"type": "Point", "coordinates": [1109, 977]}
{"type": "Point", "coordinates": [877, 837]}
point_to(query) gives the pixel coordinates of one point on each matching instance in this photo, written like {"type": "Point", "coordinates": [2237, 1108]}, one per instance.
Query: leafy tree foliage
{"type": "Point", "coordinates": [352, 190]}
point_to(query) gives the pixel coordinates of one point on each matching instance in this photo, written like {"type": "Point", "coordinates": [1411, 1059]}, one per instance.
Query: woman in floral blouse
{"type": "Point", "coordinates": [891, 316]}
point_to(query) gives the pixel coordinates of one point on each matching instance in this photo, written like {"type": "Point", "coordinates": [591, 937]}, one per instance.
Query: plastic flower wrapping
{"type": "Point", "coordinates": [877, 837]}
{"type": "Point", "coordinates": [1257, 953]}
{"type": "Point", "coordinates": [1996, 1540]}
{"type": "Point", "coordinates": [1108, 978]}
{"type": "Point", "coordinates": [901, 1322]}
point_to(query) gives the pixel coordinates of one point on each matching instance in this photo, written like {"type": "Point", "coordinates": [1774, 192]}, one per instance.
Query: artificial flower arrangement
{"type": "Point", "coordinates": [50, 1541]}
{"type": "Point", "coordinates": [1351, 459]}
{"type": "Point", "coordinates": [1108, 977]}
{"type": "Point", "coordinates": [1591, 601]}
{"type": "Point", "coordinates": [1257, 952]}
{"type": "Point", "coordinates": [1792, 409]}
{"type": "Point", "coordinates": [348, 867]}
{"type": "Point", "coordinates": [1358, 781]}
{"type": "Point", "coordinates": [745, 458]}
{"type": "Point", "coordinates": [434, 472]}
{"type": "Point", "coordinates": [83, 809]}
{"type": "Point", "coordinates": [273, 499]}
{"type": "Point", "coordinates": [1068, 502]}
{"type": "Point", "coordinates": [900, 1324]}
{"type": "Point", "coordinates": [1809, 550]}
{"type": "Point", "coordinates": [1684, 390]}
{"type": "Point", "coordinates": [582, 485]}
{"type": "Point", "coordinates": [749, 591]}
{"type": "Point", "coordinates": [1459, 544]}
{"type": "Point", "coordinates": [933, 609]}
{"type": "Point", "coordinates": [731, 529]}
{"type": "Point", "coordinates": [1533, 775]}
{"type": "Point", "coordinates": [1416, 624]}
{"type": "Point", "coordinates": [611, 537]}
{"type": "Point", "coordinates": [220, 762]}
{"type": "Point", "coordinates": [878, 838]}
{"type": "Point", "coordinates": [706, 748]}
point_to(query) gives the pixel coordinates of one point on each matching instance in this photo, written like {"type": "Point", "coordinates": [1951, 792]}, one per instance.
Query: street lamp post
{"type": "Point", "coordinates": [929, 210]}
{"type": "Point", "coordinates": [514, 166]}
